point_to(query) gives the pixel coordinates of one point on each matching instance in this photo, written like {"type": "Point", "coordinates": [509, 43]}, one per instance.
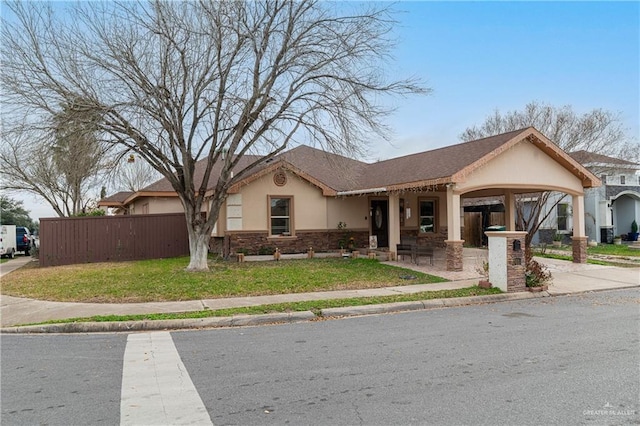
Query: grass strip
{"type": "Point", "coordinates": [590, 261]}
{"type": "Point", "coordinates": [314, 306]}
{"type": "Point", "coordinates": [604, 249]}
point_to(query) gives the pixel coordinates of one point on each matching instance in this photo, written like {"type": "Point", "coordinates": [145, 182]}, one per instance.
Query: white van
{"type": "Point", "coordinates": [7, 241]}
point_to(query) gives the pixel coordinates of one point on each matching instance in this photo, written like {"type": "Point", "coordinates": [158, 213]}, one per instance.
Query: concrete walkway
{"type": "Point", "coordinates": [567, 278]}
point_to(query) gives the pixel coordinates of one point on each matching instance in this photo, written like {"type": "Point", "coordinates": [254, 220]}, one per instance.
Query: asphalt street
{"type": "Point", "coordinates": [562, 360]}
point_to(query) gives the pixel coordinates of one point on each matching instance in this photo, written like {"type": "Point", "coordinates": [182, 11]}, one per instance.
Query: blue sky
{"type": "Point", "coordinates": [482, 56]}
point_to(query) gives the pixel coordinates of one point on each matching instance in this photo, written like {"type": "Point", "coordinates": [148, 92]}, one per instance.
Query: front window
{"type": "Point", "coordinates": [427, 216]}
{"type": "Point", "coordinates": [622, 180]}
{"type": "Point", "coordinates": [563, 213]}
{"type": "Point", "coordinates": [280, 215]}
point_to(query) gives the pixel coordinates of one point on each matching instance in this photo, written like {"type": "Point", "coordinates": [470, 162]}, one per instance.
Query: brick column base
{"type": "Point", "coordinates": [580, 249]}
{"type": "Point", "coordinates": [454, 255]}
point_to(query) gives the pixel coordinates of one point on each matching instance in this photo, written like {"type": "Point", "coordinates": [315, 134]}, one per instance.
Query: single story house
{"type": "Point", "coordinates": [306, 197]}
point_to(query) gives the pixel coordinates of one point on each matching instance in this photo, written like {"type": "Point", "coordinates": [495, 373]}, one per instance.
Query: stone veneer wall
{"type": "Point", "coordinates": [580, 249]}
{"type": "Point", "coordinates": [431, 239]}
{"type": "Point", "coordinates": [454, 253]}
{"type": "Point", "coordinates": [253, 243]}
{"type": "Point", "coordinates": [516, 279]}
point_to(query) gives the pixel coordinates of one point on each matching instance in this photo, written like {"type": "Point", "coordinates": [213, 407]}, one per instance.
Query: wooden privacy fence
{"type": "Point", "coordinates": [65, 241]}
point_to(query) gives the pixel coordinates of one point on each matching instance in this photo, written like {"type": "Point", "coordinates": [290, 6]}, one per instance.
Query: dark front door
{"type": "Point", "coordinates": [380, 221]}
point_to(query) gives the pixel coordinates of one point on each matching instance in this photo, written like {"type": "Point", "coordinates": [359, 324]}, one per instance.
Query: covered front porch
{"type": "Point", "coordinates": [430, 211]}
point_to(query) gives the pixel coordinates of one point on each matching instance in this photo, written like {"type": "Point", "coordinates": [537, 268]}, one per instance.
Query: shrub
{"type": "Point", "coordinates": [537, 274]}
{"type": "Point", "coordinates": [96, 212]}
{"type": "Point", "coordinates": [266, 250]}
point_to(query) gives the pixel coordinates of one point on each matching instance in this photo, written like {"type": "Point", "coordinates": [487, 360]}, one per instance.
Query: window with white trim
{"type": "Point", "coordinates": [280, 215]}
{"type": "Point", "coordinates": [562, 211]}
{"type": "Point", "coordinates": [428, 216]}
{"type": "Point", "coordinates": [623, 179]}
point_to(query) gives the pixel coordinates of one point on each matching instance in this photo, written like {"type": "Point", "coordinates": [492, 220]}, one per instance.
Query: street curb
{"type": "Point", "coordinates": [275, 318]}
{"type": "Point", "coordinates": [155, 325]}
{"type": "Point", "coordinates": [595, 290]}
{"type": "Point", "coordinates": [427, 304]}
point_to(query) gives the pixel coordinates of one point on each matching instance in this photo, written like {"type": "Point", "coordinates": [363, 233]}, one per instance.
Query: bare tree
{"type": "Point", "coordinates": [58, 159]}
{"type": "Point", "coordinates": [76, 152]}
{"type": "Point", "coordinates": [178, 82]}
{"type": "Point", "coordinates": [597, 131]}
{"type": "Point", "coordinates": [28, 164]}
{"type": "Point", "coordinates": [133, 174]}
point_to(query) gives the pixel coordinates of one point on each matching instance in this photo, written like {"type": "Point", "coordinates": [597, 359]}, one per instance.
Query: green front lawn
{"type": "Point", "coordinates": [166, 280]}
{"type": "Point", "coordinates": [606, 250]}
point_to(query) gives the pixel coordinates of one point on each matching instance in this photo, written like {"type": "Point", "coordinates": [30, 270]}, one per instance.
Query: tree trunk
{"type": "Point", "coordinates": [198, 248]}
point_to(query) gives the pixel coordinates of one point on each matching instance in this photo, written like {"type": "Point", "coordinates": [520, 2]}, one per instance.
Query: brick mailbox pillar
{"type": "Point", "coordinates": [506, 260]}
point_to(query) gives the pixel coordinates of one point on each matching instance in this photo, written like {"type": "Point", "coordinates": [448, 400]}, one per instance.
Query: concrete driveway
{"type": "Point", "coordinates": [577, 277]}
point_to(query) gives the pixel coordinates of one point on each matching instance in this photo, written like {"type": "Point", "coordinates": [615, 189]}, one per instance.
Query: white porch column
{"type": "Point", "coordinates": [453, 214]}
{"type": "Point", "coordinates": [578, 216]}
{"type": "Point", "coordinates": [394, 222]}
{"type": "Point", "coordinates": [454, 242]}
{"type": "Point", "coordinates": [579, 235]}
{"type": "Point", "coordinates": [510, 211]}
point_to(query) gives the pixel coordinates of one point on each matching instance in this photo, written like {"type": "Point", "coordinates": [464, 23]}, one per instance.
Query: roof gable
{"type": "Point", "coordinates": [329, 172]}
{"type": "Point", "coordinates": [541, 142]}
{"type": "Point", "coordinates": [431, 167]}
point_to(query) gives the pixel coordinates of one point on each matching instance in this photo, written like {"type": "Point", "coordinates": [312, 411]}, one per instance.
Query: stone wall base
{"type": "Point", "coordinates": [454, 254]}
{"type": "Point", "coordinates": [260, 243]}
{"type": "Point", "coordinates": [580, 249]}
{"type": "Point", "coordinates": [516, 278]}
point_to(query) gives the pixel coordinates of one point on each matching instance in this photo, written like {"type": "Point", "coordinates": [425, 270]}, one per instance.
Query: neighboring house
{"type": "Point", "coordinates": [298, 199]}
{"type": "Point", "coordinates": [610, 208]}
{"type": "Point", "coordinates": [114, 204]}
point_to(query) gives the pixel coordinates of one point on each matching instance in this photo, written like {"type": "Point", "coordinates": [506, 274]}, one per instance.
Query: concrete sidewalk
{"type": "Point", "coordinates": [568, 278]}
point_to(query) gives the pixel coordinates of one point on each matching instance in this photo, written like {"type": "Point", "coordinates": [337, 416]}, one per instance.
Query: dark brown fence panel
{"type": "Point", "coordinates": [65, 241]}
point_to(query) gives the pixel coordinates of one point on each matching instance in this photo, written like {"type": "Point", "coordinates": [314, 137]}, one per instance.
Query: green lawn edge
{"type": "Point", "coordinates": [314, 306]}
{"type": "Point", "coordinates": [589, 260]}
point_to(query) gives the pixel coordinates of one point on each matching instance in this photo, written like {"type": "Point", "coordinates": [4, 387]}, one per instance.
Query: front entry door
{"type": "Point", "coordinates": [380, 221]}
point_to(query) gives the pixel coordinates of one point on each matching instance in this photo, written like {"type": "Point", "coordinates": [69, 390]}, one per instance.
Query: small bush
{"type": "Point", "coordinates": [96, 212]}
{"type": "Point", "coordinates": [266, 250]}
{"type": "Point", "coordinates": [537, 274]}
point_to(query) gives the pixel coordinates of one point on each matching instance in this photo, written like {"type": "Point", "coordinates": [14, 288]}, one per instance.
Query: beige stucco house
{"type": "Point", "coordinates": [306, 197]}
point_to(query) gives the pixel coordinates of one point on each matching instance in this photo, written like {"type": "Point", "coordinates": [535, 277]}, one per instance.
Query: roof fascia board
{"type": "Point", "coordinates": [589, 180]}
{"type": "Point", "coordinates": [429, 184]}
{"type": "Point", "coordinates": [282, 164]}
{"type": "Point", "coordinates": [461, 175]}
{"type": "Point", "coordinates": [141, 194]}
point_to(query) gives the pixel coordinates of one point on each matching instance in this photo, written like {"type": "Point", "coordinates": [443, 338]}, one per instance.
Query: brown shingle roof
{"type": "Point", "coordinates": [335, 173]}
{"type": "Point", "coordinates": [586, 158]}
{"type": "Point", "coordinates": [116, 199]}
{"type": "Point", "coordinates": [163, 184]}
{"type": "Point", "coordinates": [431, 165]}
